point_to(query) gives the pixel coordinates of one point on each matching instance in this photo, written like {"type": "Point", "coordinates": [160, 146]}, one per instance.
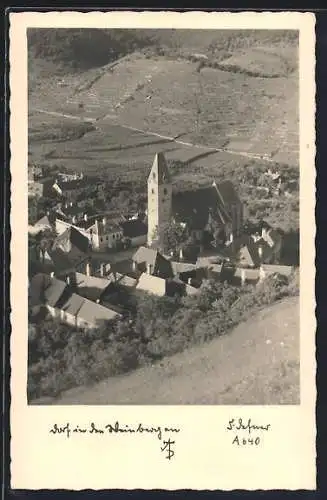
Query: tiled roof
{"type": "Point", "coordinates": [93, 313]}
{"type": "Point", "coordinates": [182, 267]}
{"type": "Point", "coordinates": [91, 287]}
{"type": "Point", "coordinates": [152, 284]}
{"type": "Point", "coordinates": [159, 264]}
{"type": "Point", "coordinates": [71, 238]}
{"type": "Point", "coordinates": [73, 304]}
{"type": "Point", "coordinates": [227, 192]}
{"type": "Point", "coordinates": [121, 279]}
{"type": "Point", "coordinates": [145, 255]}
{"type": "Point", "coordinates": [44, 221]}
{"type": "Point", "coordinates": [45, 290]}
{"type": "Point", "coordinates": [194, 207]}
{"type": "Point", "coordinates": [134, 228]}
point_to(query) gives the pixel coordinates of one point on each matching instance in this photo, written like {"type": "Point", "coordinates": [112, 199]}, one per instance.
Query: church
{"type": "Point", "coordinates": [217, 206]}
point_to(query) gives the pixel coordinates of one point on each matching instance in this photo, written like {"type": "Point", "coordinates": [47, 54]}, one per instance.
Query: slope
{"type": "Point", "coordinates": [257, 363]}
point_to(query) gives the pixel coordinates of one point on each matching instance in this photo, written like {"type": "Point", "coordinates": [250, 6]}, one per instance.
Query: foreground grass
{"type": "Point", "coordinates": [61, 357]}
{"type": "Point", "coordinates": [256, 363]}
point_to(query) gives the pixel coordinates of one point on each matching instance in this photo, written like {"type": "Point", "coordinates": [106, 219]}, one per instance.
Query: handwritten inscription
{"type": "Point", "coordinates": [246, 433]}
{"type": "Point", "coordinates": [68, 430]}
{"type": "Point", "coordinates": [168, 448]}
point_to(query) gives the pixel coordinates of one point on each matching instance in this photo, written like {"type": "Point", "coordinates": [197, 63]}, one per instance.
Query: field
{"type": "Point", "coordinates": [263, 351]}
{"type": "Point", "coordinates": [221, 106]}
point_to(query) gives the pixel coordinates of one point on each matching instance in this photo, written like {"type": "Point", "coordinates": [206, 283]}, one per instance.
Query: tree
{"type": "Point", "coordinates": [176, 237]}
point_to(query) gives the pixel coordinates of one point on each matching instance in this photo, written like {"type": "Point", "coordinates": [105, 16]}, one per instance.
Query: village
{"type": "Point", "coordinates": [88, 265]}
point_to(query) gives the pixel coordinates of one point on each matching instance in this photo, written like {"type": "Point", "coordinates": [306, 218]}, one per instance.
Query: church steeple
{"type": "Point", "coordinates": [159, 199]}
{"type": "Point", "coordinates": [159, 170]}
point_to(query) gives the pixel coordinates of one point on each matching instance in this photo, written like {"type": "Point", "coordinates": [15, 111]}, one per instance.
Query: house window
{"type": "Point", "coordinates": [107, 238]}
{"type": "Point", "coordinates": [114, 236]}
{"type": "Point", "coordinates": [100, 239]}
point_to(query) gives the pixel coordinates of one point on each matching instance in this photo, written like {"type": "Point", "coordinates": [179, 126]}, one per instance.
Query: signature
{"type": "Point", "coordinates": [240, 425]}
{"type": "Point", "coordinates": [114, 428]}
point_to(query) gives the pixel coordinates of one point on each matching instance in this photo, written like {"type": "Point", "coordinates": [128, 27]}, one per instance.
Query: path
{"type": "Point", "coordinates": [256, 363]}
{"type": "Point", "coordinates": [161, 136]}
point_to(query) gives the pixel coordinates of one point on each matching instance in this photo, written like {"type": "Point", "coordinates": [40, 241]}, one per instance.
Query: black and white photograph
{"type": "Point", "coordinates": [163, 216]}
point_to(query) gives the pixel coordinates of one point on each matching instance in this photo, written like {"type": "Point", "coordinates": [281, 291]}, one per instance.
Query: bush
{"type": "Point", "coordinates": [61, 356]}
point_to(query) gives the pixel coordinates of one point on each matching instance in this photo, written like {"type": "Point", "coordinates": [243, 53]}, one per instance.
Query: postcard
{"type": "Point", "coordinates": [162, 250]}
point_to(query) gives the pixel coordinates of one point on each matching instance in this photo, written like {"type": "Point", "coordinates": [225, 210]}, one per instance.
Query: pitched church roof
{"type": "Point", "coordinates": [159, 171]}
{"type": "Point", "coordinates": [227, 192]}
{"type": "Point", "coordinates": [195, 207]}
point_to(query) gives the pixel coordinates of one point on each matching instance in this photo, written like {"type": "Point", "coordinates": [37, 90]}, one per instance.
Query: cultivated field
{"type": "Point", "coordinates": [217, 107]}
{"type": "Point", "coordinates": [263, 353]}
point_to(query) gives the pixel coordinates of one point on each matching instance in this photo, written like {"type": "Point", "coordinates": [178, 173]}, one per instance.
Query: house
{"type": "Point", "coordinates": [43, 223]}
{"type": "Point", "coordinates": [90, 287]}
{"type": "Point", "coordinates": [152, 284]}
{"type": "Point", "coordinates": [70, 307]}
{"type": "Point", "coordinates": [45, 291]}
{"type": "Point", "coordinates": [136, 231]}
{"type": "Point", "coordinates": [72, 188]}
{"type": "Point", "coordinates": [153, 263]}
{"type": "Point", "coordinates": [92, 315]}
{"type": "Point", "coordinates": [40, 188]}
{"type": "Point", "coordinates": [215, 208]}
{"type": "Point", "coordinates": [101, 232]}
{"type": "Point", "coordinates": [72, 242]}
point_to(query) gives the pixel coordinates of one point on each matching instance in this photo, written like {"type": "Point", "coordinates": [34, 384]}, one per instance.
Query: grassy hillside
{"type": "Point", "coordinates": [239, 89]}
{"type": "Point", "coordinates": [264, 352]}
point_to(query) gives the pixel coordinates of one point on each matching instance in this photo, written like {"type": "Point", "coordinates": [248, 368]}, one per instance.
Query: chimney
{"type": "Point", "coordinates": [68, 280]}
{"type": "Point", "coordinates": [264, 232]}
{"type": "Point", "coordinates": [108, 267]}
{"type": "Point", "coordinates": [134, 265]}
{"type": "Point", "coordinates": [189, 281]}
{"type": "Point", "coordinates": [74, 219]}
{"type": "Point", "coordinates": [260, 252]}
{"type": "Point", "coordinates": [104, 221]}
{"type": "Point", "coordinates": [98, 301]}
{"type": "Point", "coordinates": [243, 277]}
{"type": "Point", "coordinates": [149, 269]}
{"type": "Point", "coordinates": [181, 256]}
{"type": "Point", "coordinates": [52, 274]}
{"type": "Point", "coordinates": [85, 217]}
{"type": "Point", "coordinates": [102, 270]}
{"type": "Point", "coordinates": [71, 203]}
{"type": "Point", "coordinates": [88, 269]}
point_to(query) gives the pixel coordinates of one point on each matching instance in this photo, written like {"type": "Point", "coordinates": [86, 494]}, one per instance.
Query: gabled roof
{"type": "Point", "coordinates": [159, 264]}
{"type": "Point", "coordinates": [146, 255]}
{"type": "Point", "coordinates": [91, 287]}
{"type": "Point", "coordinates": [93, 313]}
{"type": "Point", "coordinates": [60, 260]}
{"type": "Point", "coordinates": [159, 171]}
{"type": "Point", "coordinates": [73, 304]}
{"type": "Point", "coordinates": [71, 238]}
{"type": "Point", "coordinates": [152, 284]}
{"type": "Point", "coordinates": [195, 207]}
{"type": "Point", "coordinates": [134, 228]}
{"type": "Point", "coordinates": [227, 192]}
{"type": "Point", "coordinates": [44, 221]}
{"type": "Point", "coordinates": [45, 290]}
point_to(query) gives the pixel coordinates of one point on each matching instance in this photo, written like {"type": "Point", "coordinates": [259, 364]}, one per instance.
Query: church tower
{"type": "Point", "coordinates": [159, 200]}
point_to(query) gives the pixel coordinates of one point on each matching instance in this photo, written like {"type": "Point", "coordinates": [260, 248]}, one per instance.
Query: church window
{"type": "Point", "coordinates": [152, 191]}
{"type": "Point", "coordinates": [153, 175]}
